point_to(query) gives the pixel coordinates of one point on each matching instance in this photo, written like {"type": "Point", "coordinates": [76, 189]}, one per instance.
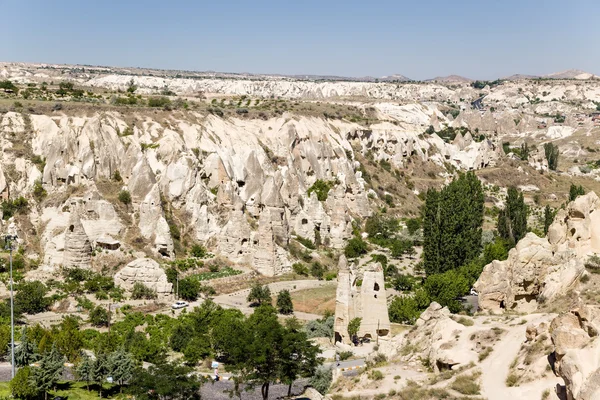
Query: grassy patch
{"type": "Point", "coordinates": [466, 384]}
{"type": "Point", "coordinates": [207, 276]}
{"type": "Point", "coordinates": [316, 300]}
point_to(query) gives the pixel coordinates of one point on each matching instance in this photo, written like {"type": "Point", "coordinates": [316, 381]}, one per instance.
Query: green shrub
{"type": "Point", "coordinates": [376, 375]}
{"type": "Point", "coordinates": [198, 251]}
{"type": "Point", "coordinates": [159, 102]}
{"type": "Point", "coordinates": [355, 247]}
{"type": "Point", "coordinates": [321, 380]}
{"type": "Point", "coordinates": [125, 197]}
{"type": "Point", "coordinates": [321, 188]}
{"type": "Point", "coordinates": [141, 291]}
{"type": "Point", "coordinates": [99, 317]}
{"type": "Point", "coordinates": [466, 384]}
{"type": "Point", "coordinates": [300, 269]}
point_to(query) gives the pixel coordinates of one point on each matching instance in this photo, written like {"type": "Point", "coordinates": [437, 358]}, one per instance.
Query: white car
{"type": "Point", "coordinates": [180, 304]}
{"type": "Point", "coordinates": [473, 292]}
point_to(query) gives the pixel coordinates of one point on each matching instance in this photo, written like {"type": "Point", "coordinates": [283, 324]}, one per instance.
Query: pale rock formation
{"type": "Point", "coordinates": [543, 267]}
{"type": "Point", "coordinates": [577, 351]}
{"type": "Point", "coordinates": [434, 337]}
{"type": "Point", "coordinates": [153, 224]}
{"type": "Point", "coordinates": [78, 249]}
{"type": "Point", "coordinates": [145, 271]}
{"type": "Point", "coordinates": [367, 302]}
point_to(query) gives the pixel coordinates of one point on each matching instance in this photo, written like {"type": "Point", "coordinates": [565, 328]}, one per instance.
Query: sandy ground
{"type": "Point", "coordinates": [495, 368]}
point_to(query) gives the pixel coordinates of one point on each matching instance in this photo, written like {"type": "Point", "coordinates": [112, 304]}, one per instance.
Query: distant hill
{"type": "Point", "coordinates": [450, 78]}
{"type": "Point", "coordinates": [571, 74]}
{"type": "Point", "coordinates": [395, 77]}
{"type": "Point", "coordinates": [517, 77]}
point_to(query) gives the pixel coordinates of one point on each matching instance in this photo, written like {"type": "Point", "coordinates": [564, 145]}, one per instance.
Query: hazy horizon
{"type": "Point", "coordinates": [418, 40]}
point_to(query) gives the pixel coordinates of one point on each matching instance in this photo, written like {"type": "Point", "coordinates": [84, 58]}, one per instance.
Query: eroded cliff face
{"type": "Point", "coordinates": [240, 186]}
{"type": "Point", "coordinates": [544, 268]}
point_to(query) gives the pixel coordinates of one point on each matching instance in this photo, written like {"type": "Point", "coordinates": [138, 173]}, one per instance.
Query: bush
{"type": "Point", "coordinates": [466, 384]}
{"type": "Point", "coordinates": [321, 380]}
{"type": "Point", "coordinates": [376, 375]}
{"type": "Point", "coordinates": [512, 380]}
{"type": "Point", "coordinates": [284, 302]}
{"type": "Point", "coordinates": [321, 188]}
{"type": "Point", "coordinates": [159, 102]}
{"type": "Point", "coordinates": [198, 251]}
{"type": "Point", "coordinates": [39, 193]}
{"type": "Point", "coordinates": [21, 386]}
{"type": "Point", "coordinates": [99, 317]}
{"type": "Point", "coordinates": [125, 197]}
{"type": "Point", "coordinates": [17, 206]}
{"type": "Point", "coordinates": [320, 328]}
{"type": "Point", "coordinates": [141, 291]}
{"type": "Point", "coordinates": [300, 269]}
{"type": "Point", "coordinates": [189, 289]}
{"type": "Point", "coordinates": [30, 297]}
{"type": "Point", "coordinates": [345, 355]}
{"type": "Point", "coordinates": [317, 270]}
{"type": "Point", "coordinates": [355, 248]}
{"type": "Point", "coordinates": [259, 295]}
{"type": "Point", "coordinates": [413, 225]}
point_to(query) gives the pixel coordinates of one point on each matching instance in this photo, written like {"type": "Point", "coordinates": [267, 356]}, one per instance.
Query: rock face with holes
{"type": "Point", "coordinates": [145, 271]}
{"type": "Point", "coordinates": [360, 294]}
{"type": "Point", "coordinates": [78, 249]}
{"type": "Point", "coordinates": [540, 269]}
{"type": "Point", "coordinates": [435, 338]}
{"type": "Point", "coordinates": [577, 351]}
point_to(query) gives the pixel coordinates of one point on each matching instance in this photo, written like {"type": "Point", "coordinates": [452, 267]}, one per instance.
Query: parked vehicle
{"type": "Point", "coordinates": [473, 292]}
{"type": "Point", "coordinates": [180, 304]}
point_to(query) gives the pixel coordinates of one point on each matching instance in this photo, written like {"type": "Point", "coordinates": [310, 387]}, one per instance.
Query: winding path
{"type": "Point", "coordinates": [495, 368]}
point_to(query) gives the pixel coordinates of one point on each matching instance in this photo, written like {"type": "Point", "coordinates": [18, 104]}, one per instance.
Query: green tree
{"type": "Point", "coordinates": [31, 297]}
{"type": "Point", "coordinates": [299, 357]}
{"type": "Point", "coordinates": [21, 386]}
{"type": "Point", "coordinates": [99, 316]}
{"type": "Point", "coordinates": [321, 188]}
{"type": "Point", "coordinates": [548, 218]}
{"type": "Point", "coordinates": [452, 224]}
{"type": "Point", "coordinates": [284, 302]}
{"type": "Point", "coordinates": [85, 370]}
{"type": "Point", "coordinates": [100, 371]}
{"type": "Point", "coordinates": [497, 250]}
{"type": "Point", "coordinates": [168, 381]}
{"type": "Point", "coordinates": [49, 372]}
{"type": "Point", "coordinates": [447, 288]}
{"type": "Point", "coordinates": [413, 225]}
{"type": "Point", "coordinates": [551, 152]}
{"type": "Point", "coordinates": [121, 367]}
{"type": "Point", "coordinates": [407, 309]}
{"type": "Point", "coordinates": [354, 326]}
{"type": "Point", "coordinates": [575, 191]}
{"type": "Point", "coordinates": [125, 197]}
{"type": "Point", "coordinates": [189, 289]}
{"type": "Point", "coordinates": [355, 247]}
{"type": "Point", "coordinates": [259, 295]}
{"type": "Point", "coordinates": [512, 220]}
{"type": "Point", "coordinates": [26, 351]}
{"type": "Point", "coordinates": [69, 338]}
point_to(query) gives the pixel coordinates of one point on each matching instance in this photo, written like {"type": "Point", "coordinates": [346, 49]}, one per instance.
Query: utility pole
{"type": "Point", "coordinates": [8, 239]}
{"type": "Point", "coordinates": [177, 287]}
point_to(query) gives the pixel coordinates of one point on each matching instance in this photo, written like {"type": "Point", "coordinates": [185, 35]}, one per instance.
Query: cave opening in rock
{"type": "Point", "coordinates": [71, 228]}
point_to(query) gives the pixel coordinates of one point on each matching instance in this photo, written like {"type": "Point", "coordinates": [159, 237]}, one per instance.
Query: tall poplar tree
{"type": "Point", "coordinates": [512, 220]}
{"type": "Point", "coordinates": [452, 224]}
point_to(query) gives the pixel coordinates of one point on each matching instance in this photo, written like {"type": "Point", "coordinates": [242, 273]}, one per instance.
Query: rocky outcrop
{"type": "Point", "coordinates": [435, 338]}
{"type": "Point", "coordinates": [145, 271]}
{"type": "Point", "coordinates": [577, 351]}
{"type": "Point", "coordinates": [540, 269]}
{"type": "Point", "coordinates": [78, 249]}
{"type": "Point", "coordinates": [360, 298]}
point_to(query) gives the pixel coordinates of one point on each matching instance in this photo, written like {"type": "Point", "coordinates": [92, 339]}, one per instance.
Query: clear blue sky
{"type": "Point", "coordinates": [420, 38]}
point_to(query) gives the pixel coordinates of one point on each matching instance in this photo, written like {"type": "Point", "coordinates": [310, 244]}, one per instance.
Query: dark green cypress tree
{"type": "Point", "coordinates": [431, 232]}
{"type": "Point", "coordinates": [575, 191]}
{"type": "Point", "coordinates": [512, 220]}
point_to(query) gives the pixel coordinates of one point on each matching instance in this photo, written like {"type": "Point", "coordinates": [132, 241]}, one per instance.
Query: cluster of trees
{"type": "Point", "coordinates": [258, 349]}
{"type": "Point", "coordinates": [260, 295]}
{"type": "Point", "coordinates": [452, 224]}
{"type": "Point", "coordinates": [575, 191]}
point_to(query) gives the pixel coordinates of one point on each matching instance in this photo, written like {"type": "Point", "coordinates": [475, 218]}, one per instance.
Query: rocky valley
{"type": "Point", "coordinates": [435, 239]}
